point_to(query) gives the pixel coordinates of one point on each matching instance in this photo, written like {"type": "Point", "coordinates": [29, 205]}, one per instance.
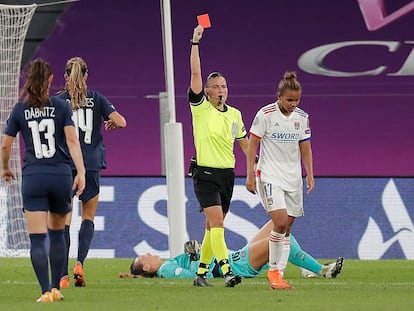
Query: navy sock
{"type": "Point", "coordinates": [66, 234]}
{"type": "Point", "coordinates": [57, 255]}
{"type": "Point", "coordinates": [38, 256]}
{"type": "Point", "coordinates": [85, 239]}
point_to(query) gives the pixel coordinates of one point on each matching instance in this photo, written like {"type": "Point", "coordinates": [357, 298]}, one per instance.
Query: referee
{"type": "Point", "coordinates": [215, 127]}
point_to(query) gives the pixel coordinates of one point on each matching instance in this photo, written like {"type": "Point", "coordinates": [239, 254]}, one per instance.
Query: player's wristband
{"type": "Point", "coordinates": [194, 43]}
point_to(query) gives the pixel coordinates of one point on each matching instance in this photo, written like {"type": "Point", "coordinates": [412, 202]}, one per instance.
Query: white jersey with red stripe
{"type": "Point", "coordinates": [280, 135]}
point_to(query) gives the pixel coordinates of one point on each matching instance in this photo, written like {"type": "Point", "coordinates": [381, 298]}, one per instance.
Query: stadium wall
{"type": "Point", "coordinates": [360, 218]}
{"type": "Point", "coordinates": [357, 79]}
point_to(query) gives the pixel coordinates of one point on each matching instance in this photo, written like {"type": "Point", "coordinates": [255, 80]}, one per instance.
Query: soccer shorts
{"type": "Point", "coordinates": [239, 263]}
{"type": "Point", "coordinates": [92, 179]}
{"type": "Point", "coordinates": [274, 198]}
{"type": "Point", "coordinates": [213, 186]}
{"type": "Point", "coordinates": [47, 192]}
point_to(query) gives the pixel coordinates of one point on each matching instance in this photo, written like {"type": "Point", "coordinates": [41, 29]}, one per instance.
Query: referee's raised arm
{"type": "Point", "coordinates": [196, 83]}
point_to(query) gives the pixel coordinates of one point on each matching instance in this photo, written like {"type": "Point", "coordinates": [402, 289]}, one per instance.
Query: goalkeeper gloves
{"type": "Point", "coordinates": [192, 248]}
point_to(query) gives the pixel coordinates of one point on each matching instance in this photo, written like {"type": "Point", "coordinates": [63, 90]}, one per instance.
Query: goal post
{"type": "Point", "coordinates": [14, 23]}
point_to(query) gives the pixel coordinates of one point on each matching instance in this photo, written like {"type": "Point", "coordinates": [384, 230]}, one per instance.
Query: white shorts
{"type": "Point", "coordinates": [274, 198]}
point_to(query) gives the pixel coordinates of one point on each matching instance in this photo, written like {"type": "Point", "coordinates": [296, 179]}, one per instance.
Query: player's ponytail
{"type": "Point", "coordinates": [36, 86]}
{"type": "Point", "coordinates": [75, 72]}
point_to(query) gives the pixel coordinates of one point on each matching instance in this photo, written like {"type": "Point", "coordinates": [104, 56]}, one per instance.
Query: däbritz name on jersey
{"type": "Point", "coordinates": [33, 113]}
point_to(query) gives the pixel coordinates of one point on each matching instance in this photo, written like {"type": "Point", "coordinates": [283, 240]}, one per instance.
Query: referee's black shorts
{"type": "Point", "coordinates": [213, 186]}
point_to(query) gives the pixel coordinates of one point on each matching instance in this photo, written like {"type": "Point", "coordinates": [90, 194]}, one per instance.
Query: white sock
{"type": "Point", "coordinates": [276, 245]}
{"type": "Point", "coordinates": [281, 265]}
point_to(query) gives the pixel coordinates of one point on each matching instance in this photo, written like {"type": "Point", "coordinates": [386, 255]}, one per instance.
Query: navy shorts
{"type": "Point", "coordinates": [91, 187]}
{"type": "Point", "coordinates": [213, 186]}
{"type": "Point", "coordinates": [47, 192]}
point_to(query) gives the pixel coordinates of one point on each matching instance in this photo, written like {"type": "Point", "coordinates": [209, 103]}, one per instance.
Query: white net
{"type": "Point", "coordinates": [14, 23]}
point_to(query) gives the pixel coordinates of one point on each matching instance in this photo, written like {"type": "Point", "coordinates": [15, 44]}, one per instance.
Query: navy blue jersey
{"type": "Point", "coordinates": [88, 121]}
{"type": "Point", "coordinates": [43, 133]}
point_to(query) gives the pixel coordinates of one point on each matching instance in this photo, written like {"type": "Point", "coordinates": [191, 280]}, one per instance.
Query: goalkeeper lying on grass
{"type": "Point", "coordinates": [249, 261]}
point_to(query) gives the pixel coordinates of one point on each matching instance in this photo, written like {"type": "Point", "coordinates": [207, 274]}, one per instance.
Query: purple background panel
{"type": "Point", "coordinates": [361, 125]}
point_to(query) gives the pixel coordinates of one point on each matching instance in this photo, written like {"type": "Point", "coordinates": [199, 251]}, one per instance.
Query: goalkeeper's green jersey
{"type": "Point", "coordinates": [182, 267]}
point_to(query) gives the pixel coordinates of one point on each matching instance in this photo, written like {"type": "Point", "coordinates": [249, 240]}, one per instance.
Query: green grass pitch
{"type": "Point", "coordinates": [362, 285]}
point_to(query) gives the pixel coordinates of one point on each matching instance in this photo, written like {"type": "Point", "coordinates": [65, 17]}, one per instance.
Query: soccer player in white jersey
{"type": "Point", "coordinates": [282, 131]}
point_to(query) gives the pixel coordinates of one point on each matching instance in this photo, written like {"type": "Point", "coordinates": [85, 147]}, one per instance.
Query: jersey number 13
{"type": "Point", "coordinates": [46, 127]}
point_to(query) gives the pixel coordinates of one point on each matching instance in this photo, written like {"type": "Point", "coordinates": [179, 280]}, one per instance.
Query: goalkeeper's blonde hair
{"type": "Point", "coordinates": [75, 72]}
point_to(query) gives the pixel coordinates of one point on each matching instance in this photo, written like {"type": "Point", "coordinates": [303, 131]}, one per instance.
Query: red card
{"type": "Point", "coordinates": [204, 20]}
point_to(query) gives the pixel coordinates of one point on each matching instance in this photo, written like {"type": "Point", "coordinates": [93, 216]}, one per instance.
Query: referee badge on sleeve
{"type": "Point", "coordinates": [235, 129]}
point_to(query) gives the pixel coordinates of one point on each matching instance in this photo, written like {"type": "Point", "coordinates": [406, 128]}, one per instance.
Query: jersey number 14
{"type": "Point", "coordinates": [83, 119]}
